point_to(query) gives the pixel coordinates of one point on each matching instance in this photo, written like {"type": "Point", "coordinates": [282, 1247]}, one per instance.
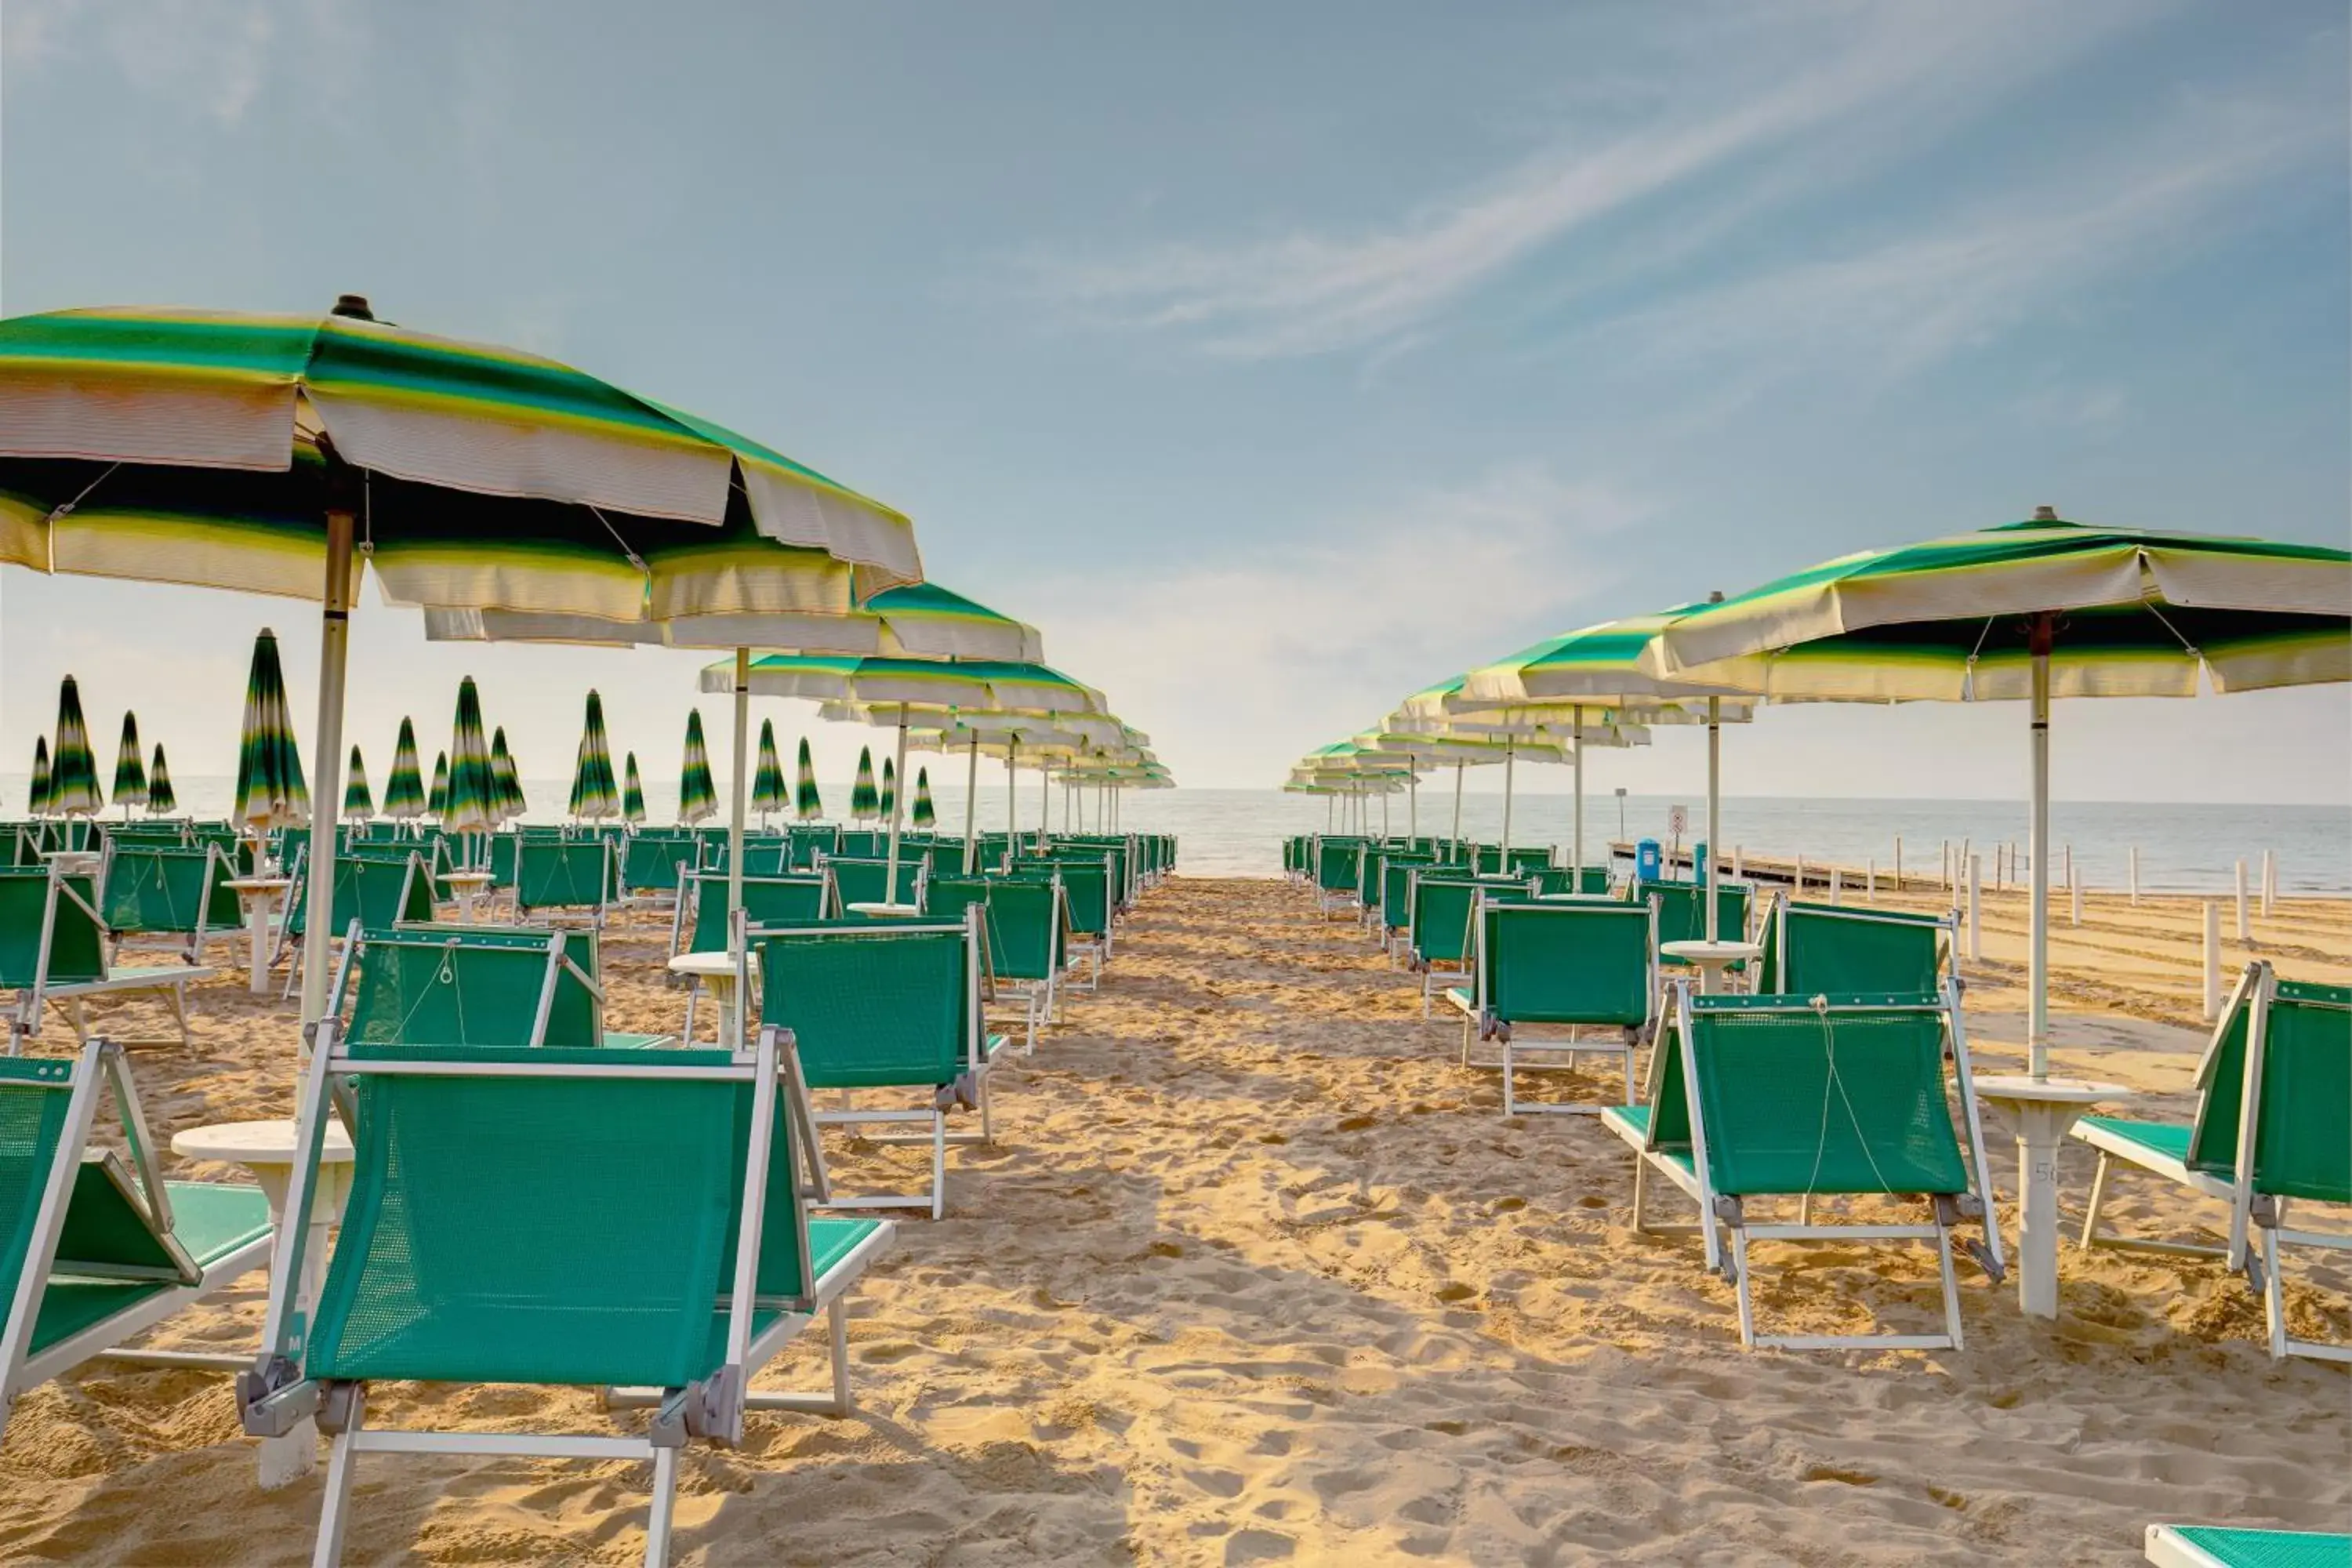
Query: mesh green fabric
{"type": "Point", "coordinates": [1797, 1101]}
{"type": "Point", "coordinates": [2303, 1137]}
{"type": "Point", "coordinates": [1336, 864]}
{"type": "Point", "coordinates": [2221, 1089]}
{"type": "Point", "coordinates": [1567, 964]}
{"type": "Point", "coordinates": [575, 1018]}
{"type": "Point", "coordinates": [1846, 952]}
{"type": "Point", "coordinates": [945, 898]}
{"type": "Point", "coordinates": [861, 845]}
{"type": "Point", "coordinates": [1085, 892]}
{"type": "Point", "coordinates": [504, 850]}
{"type": "Point", "coordinates": [650, 865]}
{"type": "Point", "coordinates": [1441, 920]}
{"type": "Point", "coordinates": [1669, 1112]}
{"type": "Point", "coordinates": [564, 874]}
{"type": "Point", "coordinates": [416, 989]}
{"type": "Point", "coordinates": [1556, 879]}
{"type": "Point", "coordinates": [767, 900]}
{"type": "Point", "coordinates": [209, 1219]}
{"type": "Point", "coordinates": [868, 881]}
{"type": "Point", "coordinates": [1682, 913]}
{"type": "Point", "coordinates": [2170, 1139]}
{"type": "Point", "coordinates": [870, 1007]}
{"type": "Point", "coordinates": [159, 890]}
{"type": "Point", "coordinates": [2268, 1548]}
{"type": "Point", "coordinates": [1025, 937]}
{"type": "Point", "coordinates": [533, 1230]}
{"type": "Point", "coordinates": [106, 1227]}
{"type": "Point", "coordinates": [378, 892]}
{"type": "Point", "coordinates": [35, 1096]}
{"type": "Point", "coordinates": [1396, 888]}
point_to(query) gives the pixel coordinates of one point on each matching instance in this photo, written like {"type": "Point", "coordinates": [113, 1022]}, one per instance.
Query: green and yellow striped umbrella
{"type": "Point", "coordinates": [436, 798]}
{"type": "Point", "coordinates": [505, 780]}
{"type": "Point", "coordinates": [865, 804]}
{"type": "Point", "coordinates": [633, 793]}
{"type": "Point", "coordinates": [161, 800]}
{"type": "Point", "coordinates": [271, 791]}
{"type": "Point", "coordinates": [404, 793]}
{"type": "Point", "coordinates": [129, 767]}
{"type": "Point", "coordinates": [470, 803]}
{"type": "Point", "coordinates": [37, 800]}
{"type": "Point", "coordinates": [767, 788]}
{"type": "Point", "coordinates": [926, 816]}
{"type": "Point", "coordinates": [357, 802]}
{"type": "Point", "coordinates": [889, 801]}
{"type": "Point", "coordinates": [73, 770]}
{"type": "Point", "coordinates": [593, 794]}
{"type": "Point", "coordinates": [939, 685]}
{"type": "Point", "coordinates": [807, 803]}
{"type": "Point", "coordinates": [697, 795]}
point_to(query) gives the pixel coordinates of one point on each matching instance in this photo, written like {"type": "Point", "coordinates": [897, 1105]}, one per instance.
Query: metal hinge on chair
{"type": "Point", "coordinates": [2264, 1210]}
{"type": "Point", "coordinates": [1730, 1210]}
{"type": "Point", "coordinates": [339, 1406]}
{"type": "Point", "coordinates": [711, 1408]}
{"type": "Point", "coordinates": [1952, 1208]}
{"type": "Point", "coordinates": [273, 1397]}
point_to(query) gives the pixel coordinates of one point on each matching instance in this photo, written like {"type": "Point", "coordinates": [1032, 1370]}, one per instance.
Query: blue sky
{"type": "Point", "coordinates": [1274, 362]}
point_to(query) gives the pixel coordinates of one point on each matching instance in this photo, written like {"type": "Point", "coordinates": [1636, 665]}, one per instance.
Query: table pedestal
{"type": "Point", "coordinates": [259, 897]}
{"type": "Point", "coordinates": [1713, 960]}
{"type": "Point", "coordinates": [2042, 1111]}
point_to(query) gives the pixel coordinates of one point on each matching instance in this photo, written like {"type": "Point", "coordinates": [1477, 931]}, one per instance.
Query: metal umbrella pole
{"type": "Point", "coordinates": [1576, 835]}
{"type": "Point", "coordinates": [1458, 768]}
{"type": "Point", "coordinates": [971, 808]}
{"type": "Point", "coordinates": [898, 809]}
{"type": "Point", "coordinates": [1714, 812]}
{"type": "Point", "coordinates": [735, 803]}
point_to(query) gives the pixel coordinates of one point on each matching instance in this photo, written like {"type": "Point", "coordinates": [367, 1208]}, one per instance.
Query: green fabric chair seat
{"type": "Point", "coordinates": [1632, 1124]}
{"type": "Point", "coordinates": [2236, 1548]}
{"type": "Point", "coordinates": [210, 1220]}
{"type": "Point", "coordinates": [2167, 1140]}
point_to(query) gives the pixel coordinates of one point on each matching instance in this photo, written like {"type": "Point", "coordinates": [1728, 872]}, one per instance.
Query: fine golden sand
{"type": "Point", "coordinates": [1257, 1271]}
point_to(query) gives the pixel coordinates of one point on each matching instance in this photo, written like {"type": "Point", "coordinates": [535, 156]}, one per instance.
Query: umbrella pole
{"type": "Point", "coordinates": [334, 654]}
{"type": "Point", "coordinates": [1413, 809]}
{"type": "Point", "coordinates": [1576, 837]}
{"type": "Point", "coordinates": [735, 803]}
{"type": "Point", "coordinates": [1457, 806]}
{"type": "Point", "coordinates": [1713, 810]}
{"type": "Point", "coordinates": [2037, 1028]}
{"type": "Point", "coordinates": [1510, 759]}
{"type": "Point", "coordinates": [1385, 815]}
{"type": "Point", "coordinates": [897, 798]}
{"type": "Point", "coordinates": [1011, 795]}
{"type": "Point", "coordinates": [971, 806]}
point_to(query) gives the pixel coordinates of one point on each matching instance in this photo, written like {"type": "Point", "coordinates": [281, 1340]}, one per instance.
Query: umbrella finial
{"type": "Point", "coordinates": [2045, 514]}
{"type": "Point", "coordinates": [354, 306]}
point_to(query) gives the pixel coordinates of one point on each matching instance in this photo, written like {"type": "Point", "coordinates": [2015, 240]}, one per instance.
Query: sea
{"type": "Point", "coordinates": [2188, 848]}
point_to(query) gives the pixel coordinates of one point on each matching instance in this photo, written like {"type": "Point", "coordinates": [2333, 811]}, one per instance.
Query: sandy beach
{"type": "Point", "coordinates": [1256, 1271]}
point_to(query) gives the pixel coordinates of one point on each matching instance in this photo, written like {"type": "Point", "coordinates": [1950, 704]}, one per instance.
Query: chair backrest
{"type": "Point", "coordinates": [1028, 928]}
{"type": "Point", "coordinates": [809, 839]}
{"type": "Point", "coordinates": [2302, 1115]}
{"type": "Point", "coordinates": [650, 863]}
{"type": "Point", "coordinates": [1566, 963]}
{"type": "Point", "coordinates": [464, 987]}
{"type": "Point", "coordinates": [878, 1005]}
{"type": "Point", "coordinates": [1523, 858]}
{"type": "Point", "coordinates": [505, 849]}
{"type": "Point", "coordinates": [1682, 911]}
{"type": "Point", "coordinates": [378, 891]}
{"type": "Point", "coordinates": [49, 931]}
{"type": "Point", "coordinates": [1396, 888]}
{"type": "Point", "coordinates": [946, 898]}
{"type": "Point", "coordinates": [1812, 950]}
{"type": "Point", "coordinates": [860, 843]}
{"type": "Point", "coordinates": [1828, 1095]}
{"type": "Point", "coordinates": [1553, 880]}
{"type": "Point", "coordinates": [863, 881]}
{"type": "Point", "coordinates": [1086, 891]}
{"type": "Point", "coordinates": [564, 874]}
{"type": "Point", "coordinates": [1337, 863]}
{"type": "Point", "coordinates": [1438, 926]}
{"type": "Point", "coordinates": [36, 1096]}
{"type": "Point", "coordinates": [149, 888]}
{"type": "Point", "coordinates": [767, 900]}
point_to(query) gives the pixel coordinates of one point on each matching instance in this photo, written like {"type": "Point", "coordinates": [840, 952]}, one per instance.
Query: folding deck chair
{"type": "Point", "coordinates": [156, 890]}
{"type": "Point", "coordinates": [790, 901]}
{"type": "Point", "coordinates": [886, 1006]}
{"type": "Point", "coordinates": [1582, 965]}
{"type": "Point", "coordinates": [617, 1219]}
{"type": "Point", "coordinates": [1754, 1097]}
{"type": "Point", "coordinates": [1087, 903]}
{"type": "Point", "coordinates": [857, 880]}
{"type": "Point", "coordinates": [565, 874]}
{"type": "Point", "coordinates": [378, 891]}
{"type": "Point", "coordinates": [53, 948]}
{"type": "Point", "coordinates": [1809, 949]}
{"type": "Point", "coordinates": [475, 986]}
{"type": "Point", "coordinates": [1029, 940]}
{"type": "Point", "coordinates": [1338, 868]}
{"type": "Point", "coordinates": [2274, 1125]}
{"type": "Point", "coordinates": [98, 1248]}
{"type": "Point", "coordinates": [650, 865]}
{"type": "Point", "coordinates": [2224, 1546]}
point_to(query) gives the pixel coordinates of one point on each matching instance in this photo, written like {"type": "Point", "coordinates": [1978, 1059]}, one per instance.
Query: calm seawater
{"type": "Point", "coordinates": [1238, 832]}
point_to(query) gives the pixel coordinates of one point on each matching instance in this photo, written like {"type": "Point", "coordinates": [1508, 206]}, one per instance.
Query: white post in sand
{"type": "Point", "coordinates": [2212, 960]}
{"type": "Point", "coordinates": [2270, 880]}
{"type": "Point", "coordinates": [1976, 910]}
{"type": "Point", "coordinates": [1797, 880]}
{"type": "Point", "coordinates": [1870, 881]}
{"type": "Point", "coordinates": [2245, 927]}
{"type": "Point", "coordinates": [2073, 898]}
{"type": "Point", "coordinates": [1738, 863]}
{"type": "Point", "coordinates": [2132, 859]}
{"type": "Point", "coordinates": [1960, 861]}
{"type": "Point", "coordinates": [1837, 884]}
{"type": "Point", "coordinates": [2070, 865]}
{"type": "Point", "coordinates": [1944, 864]}
{"type": "Point", "coordinates": [1899, 862]}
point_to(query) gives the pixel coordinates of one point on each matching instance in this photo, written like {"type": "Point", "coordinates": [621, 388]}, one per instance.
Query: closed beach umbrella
{"type": "Point", "coordinates": [403, 791]}
{"type": "Point", "coordinates": [506, 781]}
{"type": "Point", "coordinates": [926, 816]}
{"type": "Point", "coordinates": [129, 767]}
{"type": "Point", "coordinates": [357, 801]}
{"type": "Point", "coordinates": [436, 799]}
{"type": "Point", "coordinates": [807, 803]}
{"type": "Point", "coordinates": [593, 793]}
{"type": "Point", "coordinates": [73, 770]}
{"type": "Point", "coordinates": [864, 803]}
{"type": "Point", "coordinates": [37, 800]}
{"type": "Point", "coordinates": [768, 789]}
{"type": "Point", "coordinates": [697, 795]}
{"type": "Point", "coordinates": [633, 793]}
{"type": "Point", "coordinates": [270, 789]}
{"type": "Point", "coordinates": [471, 805]}
{"type": "Point", "coordinates": [161, 799]}
{"type": "Point", "coordinates": [890, 803]}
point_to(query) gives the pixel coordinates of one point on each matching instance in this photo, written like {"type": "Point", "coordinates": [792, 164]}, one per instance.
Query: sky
{"type": "Point", "coordinates": [1274, 362]}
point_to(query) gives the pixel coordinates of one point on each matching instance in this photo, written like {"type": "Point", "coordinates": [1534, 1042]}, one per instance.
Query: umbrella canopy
{"type": "Point", "coordinates": [37, 798]}
{"type": "Point", "coordinates": [471, 805]}
{"type": "Point", "coordinates": [162, 801]}
{"type": "Point", "coordinates": [505, 779]}
{"type": "Point", "coordinates": [1001, 686]}
{"type": "Point", "coordinates": [807, 803]}
{"type": "Point", "coordinates": [357, 801]}
{"type": "Point", "coordinates": [864, 801]}
{"type": "Point", "coordinates": [436, 800]}
{"type": "Point", "coordinates": [73, 770]}
{"type": "Point", "coordinates": [697, 796]}
{"type": "Point", "coordinates": [404, 793]}
{"type": "Point", "coordinates": [2030, 611]}
{"type": "Point", "coordinates": [594, 793]}
{"type": "Point", "coordinates": [633, 793]}
{"type": "Point", "coordinates": [270, 791]}
{"type": "Point", "coordinates": [889, 788]}
{"type": "Point", "coordinates": [926, 815]}
{"type": "Point", "coordinates": [768, 788]}
{"type": "Point", "coordinates": [129, 767]}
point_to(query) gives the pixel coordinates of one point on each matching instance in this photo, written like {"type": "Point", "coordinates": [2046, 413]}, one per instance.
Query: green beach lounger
{"type": "Point", "coordinates": [2221, 1546]}
{"type": "Point", "coordinates": [166, 891]}
{"type": "Point", "coordinates": [475, 987]}
{"type": "Point", "coordinates": [699, 922]}
{"type": "Point", "coordinates": [1028, 940]}
{"type": "Point", "coordinates": [1588, 967]}
{"type": "Point", "coordinates": [857, 880]}
{"type": "Point", "coordinates": [609, 1219]}
{"type": "Point", "coordinates": [1809, 949]}
{"type": "Point", "coordinates": [2274, 1127]}
{"type": "Point", "coordinates": [569, 875]}
{"type": "Point", "coordinates": [96, 1249]}
{"type": "Point", "coordinates": [896, 1008]}
{"type": "Point", "coordinates": [377, 890]}
{"type": "Point", "coordinates": [650, 864]}
{"type": "Point", "coordinates": [1757, 1097]}
{"type": "Point", "coordinates": [1339, 863]}
{"type": "Point", "coordinates": [53, 949]}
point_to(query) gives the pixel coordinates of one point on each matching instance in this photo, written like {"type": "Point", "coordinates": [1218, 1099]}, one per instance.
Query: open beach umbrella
{"type": "Point", "coordinates": [37, 800]}
{"type": "Point", "coordinates": [864, 803]}
{"type": "Point", "coordinates": [767, 788]}
{"type": "Point", "coordinates": [436, 799]}
{"type": "Point", "coordinates": [808, 805]}
{"type": "Point", "coordinates": [161, 799]}
{"type": "Point", "coordinates": [130, 768]}
{"type": "Point", "coordinates": [270, 792]}
{"type": "Point", "coordinates": [697, 796]}
{"type": "Point", "coordinates": [470, 803]}
{"type": "Point", "coordinates": [73, 770]}
{"type": "Point", "coordinates": [357, 801]}
{"type": "Point", "coordinates": [593, 793]}
{"type": "Point", "coordinates": [926, 817]}
{"type": "Point", "coordinates": [242, 451]}
{"type": "Point", "coordinates": [505, 779]}
{"type": "Point", "coordinates": [403, 791]}
{"type": "Point", "coordinates": [633, 793]}
{"type": "Point", "coordinates": [2028, 611]}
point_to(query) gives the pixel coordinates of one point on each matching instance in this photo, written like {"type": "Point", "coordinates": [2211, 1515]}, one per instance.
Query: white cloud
{"type": "Point", "coordinates": [218, 56]}
{"type": "Point", "coordinates": [1235, 668]}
